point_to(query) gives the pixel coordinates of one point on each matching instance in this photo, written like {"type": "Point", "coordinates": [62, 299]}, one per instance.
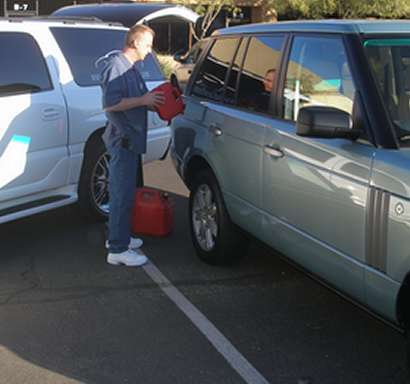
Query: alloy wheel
{"type": "Point", "coordinates": [99, 184]}
{"type": "Point", "coordinates": [204, 218]}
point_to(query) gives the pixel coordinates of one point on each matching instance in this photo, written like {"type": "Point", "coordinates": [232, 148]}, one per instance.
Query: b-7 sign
{"type": "Point", "coordinates": [23, 7]}
{"type": "Point", "coordinates": [20, 7]}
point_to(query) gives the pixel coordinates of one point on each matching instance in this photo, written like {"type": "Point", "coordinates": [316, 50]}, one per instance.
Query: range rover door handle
{"type": "Point", "coordinates": [273, 152]}
{"type": "Point", "coordinates": [215, 130]}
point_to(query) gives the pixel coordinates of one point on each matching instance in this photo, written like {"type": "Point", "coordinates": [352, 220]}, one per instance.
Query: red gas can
{"type": "Point", "coordinates": [153, 213]}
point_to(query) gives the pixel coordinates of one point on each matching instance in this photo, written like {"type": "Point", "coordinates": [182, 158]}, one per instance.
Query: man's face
{"type": "Point", "coordinates": [143, 45]}
{"type": "Point", "coordinates": [268, 81]}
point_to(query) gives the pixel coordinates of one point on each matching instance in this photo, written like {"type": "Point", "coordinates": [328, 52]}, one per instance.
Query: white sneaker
{"type": "Point", "coordinates": [129, 258]}
{"type": "Point", "coordinates": [134, 243]}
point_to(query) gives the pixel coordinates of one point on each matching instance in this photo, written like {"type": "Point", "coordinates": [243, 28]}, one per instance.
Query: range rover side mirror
{"type": "Point", "coordinates": [325, 122]}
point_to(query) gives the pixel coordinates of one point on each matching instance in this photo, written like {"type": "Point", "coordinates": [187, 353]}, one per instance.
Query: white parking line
{"type": "Point", "coordinates": [242, 366]}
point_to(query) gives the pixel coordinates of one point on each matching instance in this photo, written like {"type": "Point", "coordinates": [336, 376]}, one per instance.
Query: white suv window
{"type": "Point", "coordinates": [22, 66]}
{"type": "Point", "coordinates": [82, 54]}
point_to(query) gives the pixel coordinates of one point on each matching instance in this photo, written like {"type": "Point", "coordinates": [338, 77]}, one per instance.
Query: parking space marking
{"type": "Point", "coordinates": [237, 361]}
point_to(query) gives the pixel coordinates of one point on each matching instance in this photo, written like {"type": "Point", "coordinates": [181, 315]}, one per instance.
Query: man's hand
{"type": "Point", "coordinates": [154, 99]}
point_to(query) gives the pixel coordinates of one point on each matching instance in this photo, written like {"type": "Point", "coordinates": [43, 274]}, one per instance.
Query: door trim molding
{"type": "Point", "coordinates": [377, 214]}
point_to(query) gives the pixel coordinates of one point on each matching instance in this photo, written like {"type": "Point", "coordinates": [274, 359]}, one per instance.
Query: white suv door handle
{"type": "Point", "coordinates": [273, 152]}
{"type": "Point", "coordinates": [50, 114]}
{"type": "Point", "coordinates": [215, 130]}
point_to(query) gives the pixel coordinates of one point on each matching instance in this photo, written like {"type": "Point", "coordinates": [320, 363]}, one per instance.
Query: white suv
{"type": "Point", "coordinates": [51, 152]}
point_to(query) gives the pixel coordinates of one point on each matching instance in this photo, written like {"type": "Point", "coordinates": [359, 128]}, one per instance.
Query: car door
{"type": "Point", "coordinates": [389, 229]}
{"type": "Point", "coordinates": [235, 132]}
{"type": "Point", "coordinates": [33, 129]}
{"type": "Point", "coordinates": [315, 190]}
{"type": "Point", "coordinates": [246, 115]}
{"type": "Point", "coordinates": [209, 87]}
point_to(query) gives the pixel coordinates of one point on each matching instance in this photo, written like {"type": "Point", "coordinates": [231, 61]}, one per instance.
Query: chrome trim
{"type": "Point", "coordinates": [215, 130]}
{"type": "Point", "coordinates": [273, 152]}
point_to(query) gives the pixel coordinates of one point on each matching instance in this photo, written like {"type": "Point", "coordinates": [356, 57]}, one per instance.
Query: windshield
{"type": "Point", "coordinates": [390, 62]}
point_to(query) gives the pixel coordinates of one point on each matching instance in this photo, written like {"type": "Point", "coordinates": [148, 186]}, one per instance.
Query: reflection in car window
{"type": "Point", "coordinates": [82, 54]}
{"type": "Point", "coordinates": [191, 57]}
{"type": "Point", "coordinates": [230, 92]}
{"type": "Point", "coordinates": [259, 72]}
{"type": "Point", "coordinates": [22, 66]}
{"type": "Point", "coordinates": [390, 63]}
{"type": "Point", "coordinates": [210, 80]}
{"type": "Point", "coordinates": [318, 74]}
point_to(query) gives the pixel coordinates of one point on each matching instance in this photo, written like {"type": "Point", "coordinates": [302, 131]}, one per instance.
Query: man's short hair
{"type": "Point", "coordinates": [135, 33]}
{"type": "Point", "coordinates": [270, 70]}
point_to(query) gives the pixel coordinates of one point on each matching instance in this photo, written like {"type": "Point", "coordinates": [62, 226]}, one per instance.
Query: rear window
{"type": "Point", "coordinates": [83, 47]}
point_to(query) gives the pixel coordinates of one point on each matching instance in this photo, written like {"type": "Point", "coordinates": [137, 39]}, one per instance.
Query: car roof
{"type": "Point", "coordinates": [126, 13]}
{"type": "Point", "coordinates": [60, 21]}
{"type": "Point", "coordinates": [326, 26]}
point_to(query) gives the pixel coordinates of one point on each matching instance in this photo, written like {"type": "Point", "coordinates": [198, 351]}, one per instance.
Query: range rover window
{"type": "Point", "coordinates": [259, 73]}
{"type": "Point", "coordinates": [192, 56]}
{"type": "Point", "coordinates": [318, 73]}
{"type": "Point", "coordinates": [390, 63]}
{"type": "Point", "coordinates": [85, 50]}
{"type": "Point", "coordinates": [210, 81]}
{"type": "Point", "coordinates": [230, 91]}
{"type": "Point", "coordinates": [22, 66]}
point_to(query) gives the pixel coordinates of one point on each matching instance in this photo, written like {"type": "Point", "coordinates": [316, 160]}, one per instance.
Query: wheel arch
{"type": "Point", "coordinates": [96, 135]}
{"type": "Point", "coordinates": [92, 147]}
{"type": "Point", "coordinates": [196, 163]}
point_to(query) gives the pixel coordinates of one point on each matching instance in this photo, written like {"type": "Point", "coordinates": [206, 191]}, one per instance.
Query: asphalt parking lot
{"type": "Point", "coordinates": [66, 316]}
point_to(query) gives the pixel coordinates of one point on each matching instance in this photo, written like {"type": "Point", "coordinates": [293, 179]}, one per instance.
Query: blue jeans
{"type": "Point", "coordinates": [122, 185]}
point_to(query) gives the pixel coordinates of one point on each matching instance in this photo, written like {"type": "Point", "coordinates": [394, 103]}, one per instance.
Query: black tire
{"type": "Point", "coordinates": [93, 185]}
{"type": "Point", "coordinates": [222, 244]}
{"type": "Point", "coordinates": [407, 336]}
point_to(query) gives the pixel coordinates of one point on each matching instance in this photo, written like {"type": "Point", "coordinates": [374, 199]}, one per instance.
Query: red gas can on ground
{"type": "Point", "coordinates": [153, 213]}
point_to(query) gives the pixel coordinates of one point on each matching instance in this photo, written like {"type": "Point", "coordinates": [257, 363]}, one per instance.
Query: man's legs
{"type": "Point", "coordinates": [122, 184]}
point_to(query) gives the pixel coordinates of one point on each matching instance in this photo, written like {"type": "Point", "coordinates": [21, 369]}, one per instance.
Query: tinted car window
{"type": "Point", "coordinates": [83, 47]}
{"type": "Point", "coordinates": [193, 55]}
{"type": "Point", "coordinates": [210, 80]}
{"type": "Point", "coordinates": [22, 66]}
{"type": "Point", "coordinates": [390, 63]}
{"type": "Point", "coordinates": [258, 75]}
{"type": "Point", "coordinates": [318, 74]}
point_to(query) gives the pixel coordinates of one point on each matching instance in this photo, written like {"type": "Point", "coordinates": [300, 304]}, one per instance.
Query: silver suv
{"type": "Point", "coordinates": [299, 134]}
